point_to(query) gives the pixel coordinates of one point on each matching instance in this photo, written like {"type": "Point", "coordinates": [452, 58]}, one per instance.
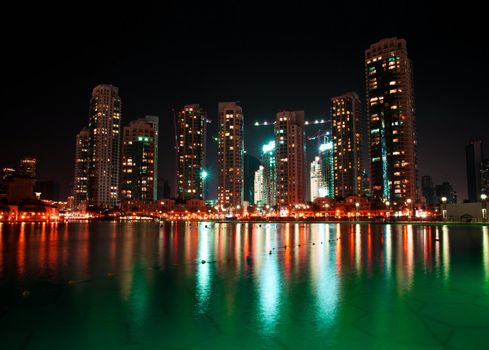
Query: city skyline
{"type": "Point", "coordinates": [260, 76]}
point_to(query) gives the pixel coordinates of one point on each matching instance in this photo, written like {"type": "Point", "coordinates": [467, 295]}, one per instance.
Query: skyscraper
{"type": "Point", "coordinates": [347, 151]}
{"type": "Point", "coordinates": [259, 188]}
{"type": "Point", "coordinates": [104, 146]}
{"type": "Point", "coordinates": [317, 181]}
{"type": "Point", "coordinates": [138, 182]}
{"type": "Point", "coordinates": [327, 168]}
{"type": "Point", "coordinates": [485, 177]}
{"type": "Point", "coordinates": [80, 191]}
{"type": "Point", "coordinates": [155, 121]}
{"type": "Point", "coordinates": [191, 134]}
{"type": "Point", "coordinates": [270, 173]}
{"type": "Point", "coordinates": [391, 121]}
{"type": "Point", "coordinates": [474, 156]}
{"type": "Point", "coordinates": [290, 157]}
{"type": "Point", "coordinates": [230, 155]}
{"type": "Point", "coordinates": [251, 165]}
{"type": "Point", "coordinates": [27, 167]}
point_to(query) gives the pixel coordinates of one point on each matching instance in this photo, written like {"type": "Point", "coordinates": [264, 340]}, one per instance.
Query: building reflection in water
{"type": "Point", "coordinates": [324, 276]}
{"type": "Point", "coordinates": [267, 274]}
{"type": "Point", "coordinates": [388, 251]}
{"type": "Point", "coordinates": [485, 254]}
{"type": "Point", "coordinates": [203, 271]}
{"type": "Point", "coordinates": [446, 253]}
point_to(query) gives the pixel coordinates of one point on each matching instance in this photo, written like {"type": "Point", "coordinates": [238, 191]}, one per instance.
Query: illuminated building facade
{"type": "Point", "coordinates": [317, 181]}
{"type": "Point", "coordinates": [191, 134]}
{"type": "Point", "coordinates": [485, 177]}
{"type": "Point", "coordinates": [230, 155]}
{"type": "Point", "coordinates": [27, 167]}
{"type": "Point", "coordinates": [391, 121]}
{"type": "Point", "coordinates": [327, 168]}
{"type": "Point", "coordinates": [80, 191]}
{"type": "Point", "coordinates": [260, 192]}
{"type": "Point", "coordinates": [290, 157]}
{"type": "Point", "coordinates": [251, 165]}
{"type": "Point", "coordinates": [104, 146]}
{"type": "Point", "coordinates": [347, 150]}
{"type": "Point", "coordinates": [138, 179]}
{"type": "Point", "coordinates": [270, 173]}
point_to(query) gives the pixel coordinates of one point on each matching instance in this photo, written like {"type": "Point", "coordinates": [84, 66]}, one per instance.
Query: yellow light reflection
{"type": "Point", "coordinates": [446, 253]}
{"type": "Point", "coordinates": [388, 250]}
{"type": "Point", "coordinates": [485, 254]}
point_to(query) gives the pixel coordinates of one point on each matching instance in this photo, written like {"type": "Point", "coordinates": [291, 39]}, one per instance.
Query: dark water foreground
{"type": "Point", "coordinates": [324, 286]}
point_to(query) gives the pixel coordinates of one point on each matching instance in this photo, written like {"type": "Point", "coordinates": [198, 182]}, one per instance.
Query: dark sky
{"type": "Point", "coordinates": [268, 57]}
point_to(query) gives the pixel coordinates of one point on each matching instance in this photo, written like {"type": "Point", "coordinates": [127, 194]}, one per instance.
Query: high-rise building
{"type": "Point", "coordinates": [138, 182]}
{"type": "Point", "coordinates": [391, 121]}
{"type": "Point", "coordinates": [428, 190]}
{"type": "Point", "coordinates": [317, 180]}
{"type": "Point", "coordinates": [485, 177]}
{"type": "Point", "coordinates": [155, 121]}
{"type": "Point", "coordinates": [27, 167]}
{"type": "Point", "coordinates": [327, 168]}
{"type": "Point", "coordinates": [260, 190]}
{"type": "Point", "coordinates": [104, 146]}
{"type": "Point", "coordinates": [251, 165]}
{"type": "Point", "coordinates": [474, 156]}
{"type": "Point", "coordinates": [191, 134]}
{"type": "Point", "coordinates": [230, 155]}
{"type": "Point", "coordinates": [347, 150]}
{"type": "Point", "coordinates": [445, 190]}
{"type": "Point", "coordinates": [270, 173]}
{"type": "Point", "coordinates": [80, 191]}
{"type": "Point", "coordinates": [290, 157]}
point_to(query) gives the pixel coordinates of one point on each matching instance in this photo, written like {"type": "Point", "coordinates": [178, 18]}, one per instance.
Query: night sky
{"type": "Point", "coordinates": [269, 58]}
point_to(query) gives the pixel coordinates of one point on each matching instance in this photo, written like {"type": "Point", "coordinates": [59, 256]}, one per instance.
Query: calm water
{"type": "Point", "coordinates": [139, 286]}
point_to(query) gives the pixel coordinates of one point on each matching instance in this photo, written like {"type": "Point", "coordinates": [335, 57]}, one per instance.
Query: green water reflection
{"type": "Point", "coordinates": [242, 286]}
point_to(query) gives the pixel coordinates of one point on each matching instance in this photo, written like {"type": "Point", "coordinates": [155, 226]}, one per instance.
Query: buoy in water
{"type": "Point", "coordinates": [202, 262]}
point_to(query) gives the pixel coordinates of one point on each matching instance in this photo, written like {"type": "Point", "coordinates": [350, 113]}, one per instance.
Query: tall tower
{"type": "Point", "coordinates": [259, 188]}
{"type": "Point", "coordinates": [191, 134]}
{"type": "Point", "coordinates": [104, 146]}
{"type": "Point", "coordinates": [317, 181]}
{"type": "Point", "coordinates": [155, 122]}
{"type": "Point", "coordinates": [80, 191]}
{"type": "Point", "coordinates": [391, 121]}
{"type": "Point", "coordinates": [270, 173]}
{"type": "Point", "coordinates": [230, 155]}
{"type": "Point", "coordinates": [474, 156]}
{"type": "Point", "coordinates": [347, 151]}
{"type": "Point", "coordinates": [139, 152]}
{"type": "Point", "coordinates": [290, 157]}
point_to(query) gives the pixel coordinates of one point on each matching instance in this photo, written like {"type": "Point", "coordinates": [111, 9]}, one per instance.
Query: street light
{"type": "Point", "coordinates": [357, 205]}
{"type": "Point", "coordinates": [444, 208]}
{"type": "Point", "coordinates": [326, 212]}
{"type": "Point", "coordinates": [409, 201]}
{"type": "Point", "coordinates": [387, 209]}
{"type": "Point", "coordinates": [484, 207]}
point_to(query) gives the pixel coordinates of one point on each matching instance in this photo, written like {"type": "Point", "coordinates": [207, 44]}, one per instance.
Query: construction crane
{"type": "Point", "coordinates": [307, 122]}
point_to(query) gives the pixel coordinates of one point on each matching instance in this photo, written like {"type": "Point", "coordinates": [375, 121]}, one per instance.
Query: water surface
{"type": "Point", "coordinates": [243, 286]}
